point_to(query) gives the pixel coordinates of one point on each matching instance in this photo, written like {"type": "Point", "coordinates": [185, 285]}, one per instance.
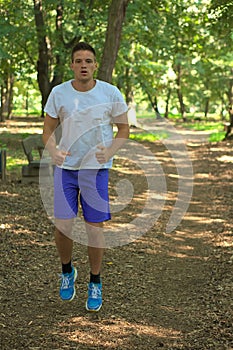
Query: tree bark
{"type": "Point", "coordinates": [207, 103]}
{"type": "Point", "coordinates": [167, 103]}
{"type": "Point", "coordinates": [230, 108]}
{"type": "Point", "coordinates": [128, 86]}
{"type": "Point", "coordinates": [154, 104]}
{"type": "Point", "coordinates": [43, 54]}
{"type": "Point", "coordinates": [177, 69]}
{"type": "Point", "coordinates": [6, 96]}
{"type": "Point", "coordinates": [116, 15]}
{"type": "Point", "coordinates": [2, 108]}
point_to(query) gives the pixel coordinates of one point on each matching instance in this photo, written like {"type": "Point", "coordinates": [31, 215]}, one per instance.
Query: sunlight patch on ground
{"type": "Point", "coordinates": [226, 238]}
{"type": "Point", "coordinates": [201, 176]}
{"type": "Point", "coordinates": [32, 130]}
{"type": "Point", "coordinates": [202, 219]}
{"type": "Point", "coordinates": [111, 333]}
{"type": "Point", "coordinates": [16, 127]}
{"type": "Point", "coordinates": [127, 170]}
{"type": "Point", "coordinates": [225, 159]}
{"type": "Point", "coordinates": [7, 194]}
{"type": "Point", "coordinates": [184, 256]}
{"type": "Point", "coordinates": [5, 226]}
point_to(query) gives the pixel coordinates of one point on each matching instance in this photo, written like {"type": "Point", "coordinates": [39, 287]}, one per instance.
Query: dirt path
{"type": "Point", "coordinates": [163, 291]}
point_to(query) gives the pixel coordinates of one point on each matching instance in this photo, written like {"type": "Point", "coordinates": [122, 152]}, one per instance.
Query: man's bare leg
{"type": "Point", "coordinates": [95, 246]}
{"type": "Point", "coordinates": [63, 241]}
{"type": "Point", "coordinates": [95, 253]}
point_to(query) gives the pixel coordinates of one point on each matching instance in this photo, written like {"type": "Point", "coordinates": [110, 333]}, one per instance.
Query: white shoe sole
{"type": "Point", "coordinates": [93, 310]}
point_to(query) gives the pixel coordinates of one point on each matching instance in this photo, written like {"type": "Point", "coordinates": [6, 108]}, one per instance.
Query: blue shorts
{"type": "Point", "coordinates": [88, 185]}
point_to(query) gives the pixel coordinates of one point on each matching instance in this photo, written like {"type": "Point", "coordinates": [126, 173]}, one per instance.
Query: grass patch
{"type": "Point", "coordinates": [15, 156]}
{"type": "Point", "coordinates": [148, 137]}
{"type": "Point", "coordinates": [217, 136]}
{"type": "Point", "coordinates": [13, 163]}
{"type": "Point", "coordinates": [204, 126]}
{"type": "Point", "coordinates": [7, 136]}
{"type": "Point", "coordinates": [145, 114]}
{"type": "Point", "coordinates": [33, 112]}
{"type": "Point", "coordinates": [15, 159]}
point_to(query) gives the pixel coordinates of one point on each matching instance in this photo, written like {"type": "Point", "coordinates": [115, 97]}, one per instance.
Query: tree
{"type": "Point", "coordinates": [165, 34]}
{"type": "Point", "coordinates": [51, 55]}
{"type": "Point", "coordinates": [174, 53]}
{"type": "Point", "coordinates": [137, 68]}
{"type": "Point", "coordinates": [116, 15]}
{"type": "Point", "coordinates": [6, 69]}
{"type": "Point", "coordinates": [7, 81]}
{"type": "Point", "coordinates": [221, 15]}
{"type": "Point", "coordinates": [50, 65]}
{"type": "Point", "coordinates": [17, 51]}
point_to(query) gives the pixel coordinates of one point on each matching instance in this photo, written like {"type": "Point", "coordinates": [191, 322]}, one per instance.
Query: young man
{"type": "Point", "coordinates": [85, 108]}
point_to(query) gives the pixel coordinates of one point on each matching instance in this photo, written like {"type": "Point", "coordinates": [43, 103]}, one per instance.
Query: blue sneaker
{"type": "Point", "coordinates": [67, 288]}
{"type": "Point", "coordinates": [94, 300]}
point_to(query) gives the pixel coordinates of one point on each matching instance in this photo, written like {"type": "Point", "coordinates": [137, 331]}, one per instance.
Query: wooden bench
{"type": "Point", "coordinates": [37, 165]}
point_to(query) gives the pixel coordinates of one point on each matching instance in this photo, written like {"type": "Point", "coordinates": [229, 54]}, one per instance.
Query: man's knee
{"type": "Point", "coordinates": [95, 234]}
{"type": "Point", "coordinates": [63, 227]}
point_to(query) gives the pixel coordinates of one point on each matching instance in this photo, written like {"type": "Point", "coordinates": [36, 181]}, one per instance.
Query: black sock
{"type": "Point", "coordinates": [67, 268]}
{"type": "Point", "coordinates": [94, 278]}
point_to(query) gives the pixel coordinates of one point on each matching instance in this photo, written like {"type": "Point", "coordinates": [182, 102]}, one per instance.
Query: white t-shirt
{"type": "Point", "coordinates": [86, 121]}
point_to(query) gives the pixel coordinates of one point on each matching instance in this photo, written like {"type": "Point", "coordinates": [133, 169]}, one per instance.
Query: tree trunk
{"type": "Point", "coordinates": [50, 69]}
{"type": "Point", "coordinates": [207, 102]}
{"type": "Point", "coordinates": [182, 105]}
{"type": "Point", "coordinates": [128, 87]}
{"type": "Point", "coordinates": [167, 102]}
{"type": "Point", "coordinates": [45, 59]}
{"type": "Point", "coordinates": [116, 17]}
{"type": "Point", "coordinates": [43, 54]}
{"type": "Point", "coordinates": [2, 107]}
{"type": "Point", "coordinates": [223, 106]}
{"type": "Point", "coordinates": [154, 104]}
{"type": "Point", "coordinates": [6, 96]}
{"type": "Point", "coordinates": [230, 109]}
{"type": "Point", "coordinates": [10, 105]}
{"type": "Point", "coordinates": [178, 71]}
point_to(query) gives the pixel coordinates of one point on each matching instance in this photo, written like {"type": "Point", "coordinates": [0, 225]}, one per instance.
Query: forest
{"type": "Point", "coordinates": [168, 276]}
{"type": "Point", "coordinates": [171, 57]}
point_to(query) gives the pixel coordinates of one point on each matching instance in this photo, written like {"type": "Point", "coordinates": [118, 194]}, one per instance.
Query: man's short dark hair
{"type": "Point", "coordinates": [82, 46]}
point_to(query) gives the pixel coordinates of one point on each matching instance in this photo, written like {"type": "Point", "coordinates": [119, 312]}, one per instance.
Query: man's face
{"type": "Point", "coordinates": [83, 65]}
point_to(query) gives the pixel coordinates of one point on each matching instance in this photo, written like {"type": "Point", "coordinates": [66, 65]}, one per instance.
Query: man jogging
{"type": "Point", "coordinates": [86, 109]}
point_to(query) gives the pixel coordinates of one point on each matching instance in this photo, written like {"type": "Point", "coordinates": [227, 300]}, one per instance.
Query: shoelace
{"type": "Point", "coordinates": [95, 292]}
{"type": "Point", "coordinates": [65, 282]}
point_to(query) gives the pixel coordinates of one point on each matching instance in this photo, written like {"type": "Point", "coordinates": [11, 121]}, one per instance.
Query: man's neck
{"type": "Point", "coordinates": [83, 85]}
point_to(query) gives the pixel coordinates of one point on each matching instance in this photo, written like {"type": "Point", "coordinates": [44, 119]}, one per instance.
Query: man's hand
{"type": "Point", "coordinates": [103, 155]}
{"type": "Point", "coordinates": [59, 156]}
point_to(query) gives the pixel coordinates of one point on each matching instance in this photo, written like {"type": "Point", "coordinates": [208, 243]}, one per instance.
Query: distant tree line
{"type": "Point", "coordinates": [170, 53]}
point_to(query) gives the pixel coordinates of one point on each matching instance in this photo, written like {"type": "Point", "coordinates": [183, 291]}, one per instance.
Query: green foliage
{"type": "Point", "coordinates": [158, 36]}
{"type": "Point", "coordinates": [204, 126]}
{"type": "Point", "coordinates": [145, 114]}
{"type": "Point", "coordinates": [15, 161]}
{"type": "Point", "coordinates": [217, 136]}
{"type": "Point", "coordinates": [148, 137]}
{"type": "Point", "coordinates": [221, 16]}
{"type": "Point", "coordinates": [14, 151]}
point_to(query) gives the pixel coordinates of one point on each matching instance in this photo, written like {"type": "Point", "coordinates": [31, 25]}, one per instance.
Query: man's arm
{"type": "Point", "coordinates": [105, 153]}
{"type": "Point", "coordinates": [49, 140]}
